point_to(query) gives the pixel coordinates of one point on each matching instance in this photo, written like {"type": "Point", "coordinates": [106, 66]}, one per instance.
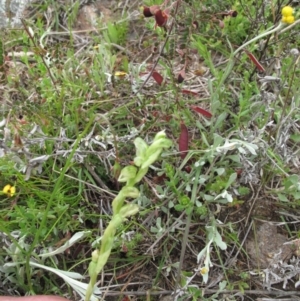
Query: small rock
{"type": "Point", "coordinates": [89, 16]}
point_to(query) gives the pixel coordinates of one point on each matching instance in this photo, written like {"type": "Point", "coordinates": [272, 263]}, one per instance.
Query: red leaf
{"type": "Point", "coordinates": [255, 61]}
{"type": "Point", "coordinates": [158, 78]}
{"type": "Point", "coordinates": [189, 92]}
{"type": "Point", "coordinates": [183, 140]}
{"type": "Point", "coordinates": [202, 111]}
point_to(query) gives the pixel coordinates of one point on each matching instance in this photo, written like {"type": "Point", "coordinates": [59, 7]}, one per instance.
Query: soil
{"type": "Point", "coordinates": [267, 246]}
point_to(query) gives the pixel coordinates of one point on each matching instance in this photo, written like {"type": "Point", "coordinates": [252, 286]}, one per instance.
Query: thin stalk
{"type": "Point", "coordinates": [187, 226]}
{"type": "Point", "coordinates": [266, 33]}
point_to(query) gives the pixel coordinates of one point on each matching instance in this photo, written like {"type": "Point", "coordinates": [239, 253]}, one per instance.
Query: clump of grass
{"type": "Point", "coordinates": [68, 122]}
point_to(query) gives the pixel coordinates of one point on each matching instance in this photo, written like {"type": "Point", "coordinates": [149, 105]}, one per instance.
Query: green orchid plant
{"type": "Point", "coordinates": [131, 175]}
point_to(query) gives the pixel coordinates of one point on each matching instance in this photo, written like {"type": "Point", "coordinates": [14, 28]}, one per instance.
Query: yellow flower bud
{"type": "Point", "coordinates": [287, 11]}
{"type": "Point", "coordinates": [290, 19]}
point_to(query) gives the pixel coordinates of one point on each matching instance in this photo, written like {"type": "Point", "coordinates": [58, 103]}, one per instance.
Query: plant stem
{"type": "Point", "coordinates": [266, 33]}
{"type": "Point", "coordinates": [187, 227]}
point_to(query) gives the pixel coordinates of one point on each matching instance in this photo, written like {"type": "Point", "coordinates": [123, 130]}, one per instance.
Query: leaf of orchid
{"type": "Point", "coordinates": [58, 272]}
{"type": "Point", "coordinates": [74, 239]}
{"type": "Point", "coordinates": [81, 289]}
{"type": "Point", "coordinates": [69, 277]}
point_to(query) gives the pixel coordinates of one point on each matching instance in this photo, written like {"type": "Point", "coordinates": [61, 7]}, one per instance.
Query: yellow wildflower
{"type": "Point", "coordinates": [289, 19]}
{"type": "Point", "coordinates": [287, 11]}
{"type": "Point", "coordinates": [9, 190]}
{"type": "Point", "coordinates": [287, 15]}
{"type": "Point", "coordinates": [120, 74]}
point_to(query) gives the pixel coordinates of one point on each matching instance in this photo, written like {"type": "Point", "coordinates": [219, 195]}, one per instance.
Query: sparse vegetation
{"type": "Point", "coordinates": [212, 215]}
